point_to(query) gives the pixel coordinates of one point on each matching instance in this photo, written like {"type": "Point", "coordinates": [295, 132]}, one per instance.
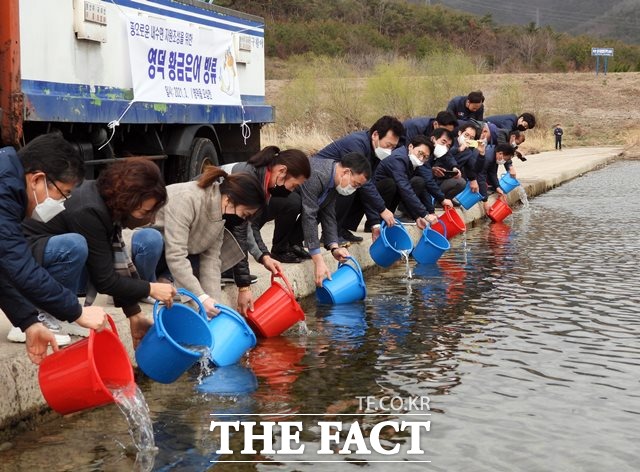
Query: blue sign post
{"type": "Point", "coordinates": [604, 52]}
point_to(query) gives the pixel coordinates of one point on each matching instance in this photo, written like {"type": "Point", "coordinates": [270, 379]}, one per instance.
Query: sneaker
{"type": "Point", "coordinates": [73, 329]}
{"type": "Point", "coordinates": [286, 257]}
{"type": "Point", "coordinates": [299, 251]}
{"type": "Point", "coordinates": [61, 327]}
{"type": "Point", "coordinates": [148, 300]}
{"type": "Point", "coordinates": [227, 277]}
{"type": "Point", "coordinates": [349, 236]}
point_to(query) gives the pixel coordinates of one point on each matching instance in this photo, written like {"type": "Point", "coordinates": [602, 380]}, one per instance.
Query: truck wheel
{"type": "Point", "coordinates": [203, 154]}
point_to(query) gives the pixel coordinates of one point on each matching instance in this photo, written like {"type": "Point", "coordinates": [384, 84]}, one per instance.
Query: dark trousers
{"type": "Point", "coordinates": [558, 142]}
{"type": "Point", "coordinates": [452, 187]}
{"type": "Point", "coordinates": [389, 192]}
{"type": "Point", "coordinates": [349, 211]}
{"type": "Point", "coordinates": [284, 212]}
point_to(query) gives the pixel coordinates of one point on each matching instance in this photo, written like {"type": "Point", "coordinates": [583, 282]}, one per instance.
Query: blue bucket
{"type": "Point", "coordinates": [467, 198]}
{"type": "Point", "coordinates": [232, 336]}
{"type": "Point", "coordinates": [387, 248]}
{"type": "Point", "coordinates": [508, 183]}
{"type": "Point", "coordinates": [430, 247]}
{"type": "Point", "coordinates": [162, 354]}
{"type": "Point", "coordinates": [231, 380]}
{"type": "Point", "coordinates": [346, 285]}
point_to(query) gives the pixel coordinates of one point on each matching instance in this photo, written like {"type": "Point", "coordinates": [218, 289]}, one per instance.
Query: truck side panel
{"type": "Point", "coordinates": [65, 79]}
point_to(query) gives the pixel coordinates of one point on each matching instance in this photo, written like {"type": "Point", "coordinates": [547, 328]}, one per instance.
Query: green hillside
{"type": "Point", "coordinates": [365, 28]}
{"type": "Point", "coordinates": [617, 19]}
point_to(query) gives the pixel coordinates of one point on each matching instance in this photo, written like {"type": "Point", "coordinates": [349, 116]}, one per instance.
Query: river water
{"type": "Point", "coordinates": [526, 343]}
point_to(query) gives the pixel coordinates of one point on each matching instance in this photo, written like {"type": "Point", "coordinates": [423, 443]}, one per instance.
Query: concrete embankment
{"type": "Point", "coordinates": [21, 401]}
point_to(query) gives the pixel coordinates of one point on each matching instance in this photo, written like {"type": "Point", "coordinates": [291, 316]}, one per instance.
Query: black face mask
{"type": "Point", "coordinates": [231, 219]}
{"type": "Point", "coordinates": [279, 191]}
{"type": "Point", "coordinates": [522, 128]}
{"type": "Point", "coordinates": [132, 222]}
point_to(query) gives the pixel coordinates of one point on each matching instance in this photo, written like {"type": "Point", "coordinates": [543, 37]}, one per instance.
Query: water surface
{"type": "Point", "coordinates": [526, 340]}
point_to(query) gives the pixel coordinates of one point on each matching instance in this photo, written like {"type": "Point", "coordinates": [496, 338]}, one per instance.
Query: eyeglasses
{"type": "Point", "coordinates": [421, 155]}
{"type": "Point", "coordinates": [64, 195]}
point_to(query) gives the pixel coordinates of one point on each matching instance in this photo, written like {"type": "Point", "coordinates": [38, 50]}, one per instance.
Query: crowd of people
{"type": "Point", "coordinates": [62, 237]}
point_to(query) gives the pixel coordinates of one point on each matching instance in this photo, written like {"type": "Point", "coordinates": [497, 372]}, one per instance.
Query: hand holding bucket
{"type": "Point", "coordinates": [84, 374]}
{"type": "Point", "coordinates": [346, 285]}
{"type": "Point", "coordinates": [430, 246]}
{"type": "Point", "coordinates": [393, 241]}
{"type": "Point", "coordinates": [276, 310]}
{"type": "Point", "coordinates": [508, 183]}
{"type": "Point", "coordinates": [231, 335]}
{"type": "Point", "coordinates": [467, 198]}
{"type": "Point", "coordinates": [166, 351]}
{"type": "Point", "coordinates": [451, 224]}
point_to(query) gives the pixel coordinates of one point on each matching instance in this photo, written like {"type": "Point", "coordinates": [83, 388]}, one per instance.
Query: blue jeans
{"type": "Point", "coordinates": [65, 256]}
{"type": "Point", "coordinates": [147, 249]}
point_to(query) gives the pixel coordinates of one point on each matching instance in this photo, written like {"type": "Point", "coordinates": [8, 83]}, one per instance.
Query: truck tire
{"type": "Point", "coordinates": [184, 168]}
{"type": "Point", "coordinates": [203, 154]}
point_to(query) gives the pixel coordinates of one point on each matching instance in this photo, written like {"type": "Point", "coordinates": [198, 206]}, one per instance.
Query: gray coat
{"type": "Point", "coordinates": [318, 204]}
{"type": "Point", "coordinates": [192, 223]}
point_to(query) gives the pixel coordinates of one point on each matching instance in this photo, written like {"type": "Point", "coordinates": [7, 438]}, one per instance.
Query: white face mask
{"type": "Point", "coordinates": [500, 162]}
{"type": "Point", "coordinates": [461, 140]}
{"type": "Point", "coordinates": [381, 153]}
{"type": "Point", "coordinates": [415, 161]}
{"type": "Point", "coordinates": [440, 150]}
{"type": "Point", "coordinates": [49, 208]}
{"type": "Point", "coordinates": [347, 190]}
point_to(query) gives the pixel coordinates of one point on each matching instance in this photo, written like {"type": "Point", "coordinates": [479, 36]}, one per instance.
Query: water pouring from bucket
{"type": "Point", "coordinates": [508, 183]}
{"type": "Point", "coordinates": [388, 248]}
{"type": "Point", "coordinates": [177, 340]}
{"type": "Point", "coordinates": [81, 375]}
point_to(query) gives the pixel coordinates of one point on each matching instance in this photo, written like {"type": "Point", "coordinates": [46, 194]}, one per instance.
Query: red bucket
{"type": "Point", "coordinates": [76, 378]}
{"type": "Point", "coordinates": [276, 310]}
{"type": "Point", "coordinates": [499, 211]}
{"type": "Point", "coordinates": [450, 224]}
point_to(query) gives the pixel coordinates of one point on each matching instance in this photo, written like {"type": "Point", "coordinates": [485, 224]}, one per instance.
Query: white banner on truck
{"type": "Point", "coordinates": [174, 61]}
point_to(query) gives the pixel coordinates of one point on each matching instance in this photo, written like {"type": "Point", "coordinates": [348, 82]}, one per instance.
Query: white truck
{"type": "Point", "coordinates": [179, 81]}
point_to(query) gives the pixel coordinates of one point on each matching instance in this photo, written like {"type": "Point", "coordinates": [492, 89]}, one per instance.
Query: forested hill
{"type": "Point", "coordinates": [618, 19]}
{"type": "Point", "coordinates": [369, 27]}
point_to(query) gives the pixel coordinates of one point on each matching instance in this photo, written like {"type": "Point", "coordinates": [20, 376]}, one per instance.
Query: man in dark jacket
{"type": "Point", "coordinates": [425, 126]}
{"type": "Point", "coordinates": [513, 122]}
{"type": "Point", "coordinates": [406, 177]}
{"type": "Point", "coordinates": [328, 180]}
{"type": "Point", "coordinates": [557, 132]}
{"type": "Point", "coordinates": [375, 144]}
{"type": "Point", "coordinates": [444, 166]}
{"type": "Point", "coordinates": [466, 108]}
{"type": "Point", "coordinates": [36, 182]}
{"type": "Point", "coordinates": [489, 158]}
